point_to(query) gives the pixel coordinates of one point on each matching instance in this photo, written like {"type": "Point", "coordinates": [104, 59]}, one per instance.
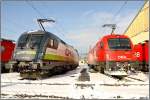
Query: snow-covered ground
{"type": "Point", "coordinates": [100, 86]}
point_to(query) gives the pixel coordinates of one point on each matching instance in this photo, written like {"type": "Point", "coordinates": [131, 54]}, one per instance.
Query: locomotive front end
{"type": "Point", "coordinates": [119, 58]}
{"type": "Point", "coordinates": [26, 55]}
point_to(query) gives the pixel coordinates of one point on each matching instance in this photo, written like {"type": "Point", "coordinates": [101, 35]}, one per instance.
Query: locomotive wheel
{"type": "Point", "coordinates": [67, 67]}
{"type": "Point", "coordinates": [3, 68]}
{"type": "Point", "coordinates": [145, 68]}
{"type": "Point", "coordinates": [91, 66]}
{"type": "Point", "coordinates": [58, 70]}
{"type": "Point", "coordinates": [15, 68]}
{"type": "Point", "coordinates": [99, 69]}
{"type": "Point", "coordinates": [64, 68]}
{"type": "Point", "coordinates": [102, 70]}
{"type": "Point", "coordinates": [94, 67]}
{"type": "Point", "coordinates": [136, 65]}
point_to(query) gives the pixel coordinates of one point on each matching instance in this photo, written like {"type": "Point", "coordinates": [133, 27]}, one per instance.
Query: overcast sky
{"type": "Point", "coordinates": [78, 23]}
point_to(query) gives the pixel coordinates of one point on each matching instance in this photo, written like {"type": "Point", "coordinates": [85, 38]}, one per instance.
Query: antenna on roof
{"type": "Point", "coordinates": [113, 26]}
{"type": "Point", "coordinates": [40, 21]}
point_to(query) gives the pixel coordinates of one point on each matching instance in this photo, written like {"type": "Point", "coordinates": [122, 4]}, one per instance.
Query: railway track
{"type": "Point", "coordinates": [35, 83]}
{"type": "Point", "coordinates": [5, 84]}
{"type": "Point", "coordinates": [116, 78]}
{"type": "Point", "coordinates": [133, 79]}
{"type": "Point", "coordinates": [127, 78]}
{"type": "Point", "coordinates": [76, 84]}
{"type": "Point", "coordinates": [70, 74]}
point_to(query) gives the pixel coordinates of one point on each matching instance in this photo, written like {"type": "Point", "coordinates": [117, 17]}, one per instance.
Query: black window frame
{"type": "Point", "coordinates": [54, 45]}
{"type": "Point", "coordinates": [23, 43]}
{"type": "Point", "coordinates": [119, 47]}
{"type": "Point", "coordinates": [36, 43]}
{"type": "Point", "coordinates": [28, 40]}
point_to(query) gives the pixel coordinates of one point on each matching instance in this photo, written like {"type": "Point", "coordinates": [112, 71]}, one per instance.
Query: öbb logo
{"type": "Point", "coordinates": [122, 57]}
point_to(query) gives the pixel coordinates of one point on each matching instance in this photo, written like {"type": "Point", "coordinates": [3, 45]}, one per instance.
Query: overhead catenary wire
{"type": "Point", "coordinates": [118, 11]}
{"type": "Point", "coordinates": [61, 28]}
{"type": "Point", "coordinates": [115, 14]}
{"type": "Point", "coordinates": [34, 8]}
{"type": "Point", "coordinates": [11, 30]}
{"type": "Point", "coordinates": [16, 24]}
{"type": "Point", "coordinates": [41, 15]}
{"type": "Point", "coordinates": [20, 26]}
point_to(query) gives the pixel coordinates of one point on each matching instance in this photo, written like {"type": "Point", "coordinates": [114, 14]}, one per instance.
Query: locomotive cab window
{"type": "Point", "coordinates": [119, 43]}
{"type": "Point", "coordinates": [29, 40]}
{"type": "Point", "coordinates": [35, 40]}
{"type": "Point", "coordinates": [23, 40]}
{"type": "Point", "coordinates": [52, 43]}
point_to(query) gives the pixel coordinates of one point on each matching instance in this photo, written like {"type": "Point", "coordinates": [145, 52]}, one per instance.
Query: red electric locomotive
{"type": "Point", "coordinates": [7, 48]}
{"type": "Point", "coordinates": [113, 55]}
{"type": "Point", "coordinates": [142, 54]}
{"type": "Point", "coordinates": [146, 56]}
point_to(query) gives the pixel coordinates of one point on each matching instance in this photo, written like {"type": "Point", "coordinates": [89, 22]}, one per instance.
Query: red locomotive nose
{"type": "Point", "coordinates": [112, 53]}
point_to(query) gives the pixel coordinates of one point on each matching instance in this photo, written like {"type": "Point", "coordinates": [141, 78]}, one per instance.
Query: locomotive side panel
{"type": "Point", "coordinates": [146, 50]}
{"type": "Point", "coordinates": [62, 53]}
{"type": "Point", "coordinates": [91, 59]}
{"type": "Point", "coordinates": [7, 49]}
{"type": "Point", "coordinates": [145, 57]}
{"type": "Point", "coordinates": [101, 51]}
{"type": "Point", "coordinates": [75, 56]}
{"type": "Point", "coordinates": [141, 54]}
{"type": "Point", "coordinates": [138, 49]}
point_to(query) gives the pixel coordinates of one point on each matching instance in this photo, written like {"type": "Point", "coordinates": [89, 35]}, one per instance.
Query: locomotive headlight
{"type": "Point", "coordinates": [109, 69]}
{"type": "Point", "coordinates": [117, 64]}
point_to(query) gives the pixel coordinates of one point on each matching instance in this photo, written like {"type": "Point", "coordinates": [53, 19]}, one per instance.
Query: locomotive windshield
{"type": "Point", "coordinates": [29, 40]}
{"type": "Point", "coordinates": [119, 43]}
{"type": "Point", "coordinates": [23, 40]}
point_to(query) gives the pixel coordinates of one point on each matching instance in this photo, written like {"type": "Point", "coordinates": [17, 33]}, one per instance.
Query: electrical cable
{"type": "Point", "coordinates": [41, 15]}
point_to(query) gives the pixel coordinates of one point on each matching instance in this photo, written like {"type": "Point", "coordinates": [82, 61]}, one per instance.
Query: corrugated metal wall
{"type": "Point", "coordinates": [138, 30]}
